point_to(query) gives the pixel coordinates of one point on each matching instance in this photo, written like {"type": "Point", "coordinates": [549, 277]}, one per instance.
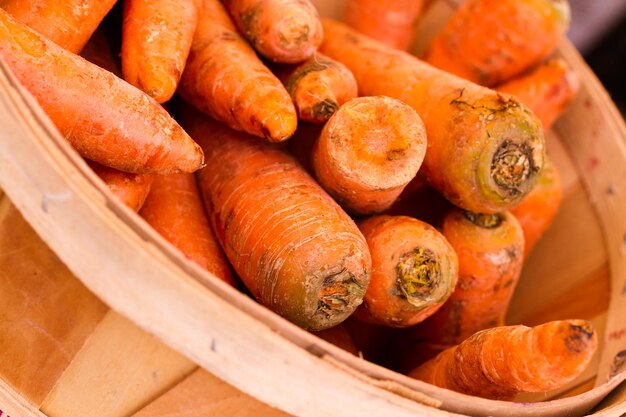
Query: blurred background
{"type": "Point", "coordinates": [598, 30]}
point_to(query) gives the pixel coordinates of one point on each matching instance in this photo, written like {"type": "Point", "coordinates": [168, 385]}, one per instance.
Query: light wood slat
{"type": "Point", "coordinates": [46, 314]}
{"type": "Point", "coordinates": [570, 178]}
{"type": "Point", "coordinates": [204, 395]}
{"type": "Point", "coordinates": [12, 404]}
{"type": "Point", "coordinates": [119, 370]}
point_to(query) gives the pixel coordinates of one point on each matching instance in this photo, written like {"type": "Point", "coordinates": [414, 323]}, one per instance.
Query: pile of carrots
{"type": "Point", "coordinates": [411, 189]}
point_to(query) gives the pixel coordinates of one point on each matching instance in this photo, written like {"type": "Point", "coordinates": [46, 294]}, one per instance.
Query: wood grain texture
{"type": "Point", "coordinates": [119, 370]}
{"type": "Point", "coordinates": [13, 404]}
{"type": "Point", "coordinates": [46, 313]}
{"type": "Point", "coordinates": [203, 395]}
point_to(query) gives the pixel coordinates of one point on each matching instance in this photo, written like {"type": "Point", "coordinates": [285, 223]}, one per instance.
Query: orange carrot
{"type": "Point", "coordinates": [391, 22]}
{"type": "Point", "coordinates": [104, 118]}
{"type": "Point", "coordinates": [286, 31]}
{"type": "Point", "coordinates": [292, 245]}
{"type": "Point", "coordinates": [131, 189]}
{"type": "Point", "coordinates": [490, 248]}
{"type": "Point", "coordinates": [156, 38]}
{"type": "Point", "coordinates": [547, 90]}
{"type": "Point", "coordinates": [174, 209]}
{"type": "Point", "coordinates": [225, 79]}
{"type": "Point", "coordinates": [318, 86]}
{"type": "Point", "coordinates": [369, 150]}
{"type": "Point", "coordinates": [68, 23]}
{"type": "Point", "coordinates": [501, 362]}
{"type": "Point", "coordinates": [537, 210]}
{"type": "Point", "coordinates": [339, 337]}
{"type": "Point", "coordinates": [414, 271]}
{"type": "Point", "coordinates": [490, 41]}
{"type": "Point", "coordinates": [485, 150]}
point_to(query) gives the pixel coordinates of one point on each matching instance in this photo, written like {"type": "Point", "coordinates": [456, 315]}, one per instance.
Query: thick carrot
{"type": "Point", "coordinates": [368, 151]}
{"type": "Point", "coordinates": [156, 38]}
{"type": "Point", "coordinates": [490, 41]}
{"type": "Point", "coordinates": [501, 362]}
{"type": "Point", "coordinates": [318, 86]}
{"type": "Point", "coordinates": [485, 150]}
{"type": "Point", "coordinates": [537, 210]}
{"type": "Point", "coordinates": [391, 22]}
{"type": "Point", "coordinates": [490, 250]}
{"type": "Point", "coordinates": [131, 189]}
{"type": "Point", "coordinates": [106, 119]}
{"type": "Point", "coordinates": [225, 79]}
{"type": "Point", "coordinates": [414, 271]}
{"type": "Point", "coordinates": [68, 23]}
{"type": "Point", "coordinates": [547, 90]}
{"type": "Point", "coordinates": [292, 245]}
{"type": "Point", "coordinates": [174, 209]}
{"type": "Point", "coordinates": [286, 31]}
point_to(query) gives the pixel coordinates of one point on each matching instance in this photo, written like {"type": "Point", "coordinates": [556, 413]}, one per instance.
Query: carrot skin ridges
{"type": "Point", "coordinates": [318, 87]}
{"type": "Point", "coordinates": [414, 271]}
{"type": "Point", "coordinates": [174, 209]}
{"type": "Point", "coordinates": [291, 244]}
{"type": "Point", "coordinates": [225, 79]}
{"type": "Point", "coordinates": [131, 189]}
{"type": "Point", "coordinates": [537, 210]}
{"type": "Point", "coordinates": [485, 150]}
{"type": "Point", "coordinates": [368, 151]}
{"type": "Point", "coordinates": [285, 31]}
{"type": "Point", "coordinates": [106, 119]}
{"type": "Point", "coordinates": [547, 90]}
{"type": "Point", "coordinates": [498, 363]}
{"type": "Point", "coordinates": [390, 22]}
{"type": "Point", "coordinates": [68, 23]}
{"type": "Point", "coordinates": [490, 41]}
{"type": "Point", "coordinates": [490, 251]}
{"type": "Point", "coordinates": [156, 38]}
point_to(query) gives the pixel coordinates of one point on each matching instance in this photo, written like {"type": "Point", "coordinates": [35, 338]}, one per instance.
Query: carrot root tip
{"type": "Point", "coordinates": [339, 293]}
{"type": "Point", "coordinates": [512, 166]}
{"type": "Point", "coordinates": [580, 337]}
{"type": "Point", "coordinates": [486, 221]}
{"type": "Point", "coordinates": [324, 109]}
{"type": "Point", "coordinates": [418, 275]}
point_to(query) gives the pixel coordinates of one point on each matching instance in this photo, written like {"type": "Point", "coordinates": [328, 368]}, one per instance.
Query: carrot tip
{"type": "Point", "coordinates": [486, 221]}
{"type": "Point", "coordinates": [418, 275]}
{"type": "Point", "coordinates": [512, 166]}
{"type": "Point", "coordinates": [582, 334]}
{"type": "Point", "coordinates": [339, 294]}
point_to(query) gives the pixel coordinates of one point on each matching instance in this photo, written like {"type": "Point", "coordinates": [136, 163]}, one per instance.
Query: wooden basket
{"type": "Point", "coordinates": [131, 328]}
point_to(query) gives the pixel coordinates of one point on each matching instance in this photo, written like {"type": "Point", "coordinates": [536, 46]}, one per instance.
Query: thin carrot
{"type": "Point", "coordinates": [68, 23]}
{"type": "Point", "coordinates": [292, 245]}
{"type": "Point", "coordinates": [131, 189]}
{"type": "Point", "coordinates": [390, 22]}
{"type": "Point", "coordinates": [485, 150]}
{"type": "Point", "coordinates": [490, 41]}
{"type": "Point", "coordinates": [318, 86]}
{"type": "Point", "coordinates": [501, 362]}
{"type": "Point", "coordinates": [174, 209]}
{"type": "Point", "coordinates": [537, 210]}
{"type": "Point", "coordinates": [156, 39]}
{"type": "Point", "coordinates": [368, 151]}
{"type": "Point", "coordinates": [225, 79]}
{"type": "Point", "coordinates": [286, 31]}
{"type": "Point", "coordinates": [547, 90]}
{"type": "Point", "coordinates": [414, 271]}
{"type": "Point", "coordinates": [104, 118]}
{"type": "Point", "coordinates": [490, 248]}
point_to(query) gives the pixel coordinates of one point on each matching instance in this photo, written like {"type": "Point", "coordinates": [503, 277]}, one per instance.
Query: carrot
{"type": "Point", "coordinates": [339, 337]}
{"type": "Point", "coordinates": [104, 118]}
{"type": "Point", "coordinates": [368, 151]}
{"type": "Point", "coordinates": [547, 90]}
{"type": "Point", "coordinates": [485, 150]}
{"type": "Point", "coordinates": [156, 38]}
{"type": "Point", "coordinates": [68, 23]}
{"type": "Point", "coordinates": [292, 245]}
{"type": "Point", "coordinates": [537, 210]}
{"type": "Point", "coordinates": [318, 86]}
{"type": "Point", "coordinates": [490, 249]}
{"type": "Point", "coordinates": [390, 22]}
{"type": "Point", "coordinates": [501, 362]}
{"type": "Point", "coordinates": [414, 271]}
{"type": "Point", "coordinates": [225, 79]}
{"type": "Point", "coordinates": [131, 189]}
{"type": "Point", "coordinates": [490, 41]}
{"type": "Point", "coordinates": [174, 209]}
{"type": "Point", "coordinates": [286, 31]}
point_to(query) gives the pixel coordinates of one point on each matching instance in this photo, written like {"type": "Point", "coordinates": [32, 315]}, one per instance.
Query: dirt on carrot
{"type": "Point", "coordinates": [225, 79]}
{"type": "Point", "coordinates": [131, 189]}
